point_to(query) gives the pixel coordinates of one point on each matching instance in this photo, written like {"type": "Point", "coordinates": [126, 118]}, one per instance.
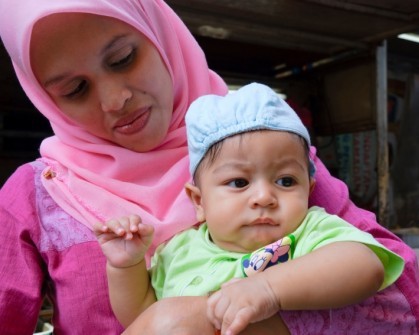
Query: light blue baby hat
{"type": "Point", "coordinates": [212, 118]}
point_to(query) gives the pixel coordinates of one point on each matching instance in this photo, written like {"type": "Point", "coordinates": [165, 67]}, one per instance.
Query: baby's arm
{"type": "Point", "coordinates": [332, 276]}
{"type": "Point", "coordinates": [125, 242]}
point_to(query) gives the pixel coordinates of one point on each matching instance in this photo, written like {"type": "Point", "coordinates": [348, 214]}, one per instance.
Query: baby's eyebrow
{"type": "Point", "coordinates": [230, 166]}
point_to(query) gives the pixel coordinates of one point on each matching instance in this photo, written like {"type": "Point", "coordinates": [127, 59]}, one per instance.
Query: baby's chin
{"type": "Point", "coordinates": [249, 246]}
{"type": "Point", "coordinates": [258, 242]}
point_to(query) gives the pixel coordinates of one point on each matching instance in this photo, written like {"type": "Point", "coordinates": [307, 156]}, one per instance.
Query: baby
{"type": "Point", "coordinates": [252, 177]}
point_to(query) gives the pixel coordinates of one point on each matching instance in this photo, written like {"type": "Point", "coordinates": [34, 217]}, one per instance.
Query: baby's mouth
{"type": "Point", "coordinates": [264, 221]}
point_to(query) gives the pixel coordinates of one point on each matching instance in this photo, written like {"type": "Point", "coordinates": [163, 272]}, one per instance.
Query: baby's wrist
{"type": "Point", "coordinates": [125, 266]}
{"type": "Point", "coordinates": [274, 291]}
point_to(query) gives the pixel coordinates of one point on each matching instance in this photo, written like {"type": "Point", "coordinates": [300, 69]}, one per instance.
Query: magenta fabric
{"type": "Point", "coordinates": [44, 250]}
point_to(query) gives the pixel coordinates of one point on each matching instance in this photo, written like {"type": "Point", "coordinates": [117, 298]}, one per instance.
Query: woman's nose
{"type": "Point", "coordinates": [113, 96]}
{"type": "Point", "coordinates": [263, 196]}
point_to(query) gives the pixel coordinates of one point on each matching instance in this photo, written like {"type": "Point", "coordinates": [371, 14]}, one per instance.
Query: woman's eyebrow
{"type": "Point", "coordinates": [117, 39]}
{"type": "Point", "coordinates": [55, 80]}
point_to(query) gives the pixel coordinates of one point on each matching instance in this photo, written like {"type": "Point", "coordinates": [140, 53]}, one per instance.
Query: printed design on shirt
{"type": "Point", "coordinates": [272, 254]}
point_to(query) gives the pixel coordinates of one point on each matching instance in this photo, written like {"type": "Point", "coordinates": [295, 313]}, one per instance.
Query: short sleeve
{"type": "Point", "coordinates": [320, 229]}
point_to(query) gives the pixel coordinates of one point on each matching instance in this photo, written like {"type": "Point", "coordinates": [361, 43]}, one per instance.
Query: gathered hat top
{"type": "Point", "coordinates": [212, 118]}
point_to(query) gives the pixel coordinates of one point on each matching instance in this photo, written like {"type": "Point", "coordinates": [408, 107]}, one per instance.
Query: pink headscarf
{"type": "Point", "coordinates": [94, 180]}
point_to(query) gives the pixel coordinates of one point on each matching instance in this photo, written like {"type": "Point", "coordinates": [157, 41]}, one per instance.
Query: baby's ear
{"type": "Point", "coordinates": [194, 193]}
{"type": "Point", "coordinates": [312, 184]}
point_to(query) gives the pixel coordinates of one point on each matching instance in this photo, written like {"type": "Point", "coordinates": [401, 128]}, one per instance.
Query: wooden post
{"type": "Point", "coordinates": [382, 144]}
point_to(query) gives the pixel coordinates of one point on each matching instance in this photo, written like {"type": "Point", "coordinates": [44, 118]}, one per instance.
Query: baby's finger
{"type": "Point", "coordinates": [134, 221]}
{"type": "Point", "coordinates": [145, 230]}
{"type": "Point", "coordinates": [216, 308]}
{"type": "Point", "coordinates": [237, 322]}
{"type": "Point", "coordinates": [119, 227]}
{"type": "Point", "coordinates": [231, 281]}
{"type": "Point", "coordinates": [226, 324]}
{"type": "Point", "coordinates": [99, 228]}
{"type": "Point", "coordinates": [211, 302]}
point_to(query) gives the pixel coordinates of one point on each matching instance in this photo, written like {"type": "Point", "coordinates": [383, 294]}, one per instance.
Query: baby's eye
{"type": "Point", "coordinates": [238, 183]}
{"type": "Point", "coordinates": [286, 181]}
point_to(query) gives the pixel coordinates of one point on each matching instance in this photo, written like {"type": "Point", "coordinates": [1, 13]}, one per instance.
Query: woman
{"type": "Point", "coordinates": [115, 81]}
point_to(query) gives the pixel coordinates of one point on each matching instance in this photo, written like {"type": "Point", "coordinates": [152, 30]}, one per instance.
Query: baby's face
{"type": "Point", "coordinates": [256, 191]}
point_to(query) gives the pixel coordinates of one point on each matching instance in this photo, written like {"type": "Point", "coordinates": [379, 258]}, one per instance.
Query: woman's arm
{"type": "Point", "coordinates": [187, 316]}
{"type": "Point", "coordinates": [22, 270]}
{"type": "Point", "coordinates": [174, 316]}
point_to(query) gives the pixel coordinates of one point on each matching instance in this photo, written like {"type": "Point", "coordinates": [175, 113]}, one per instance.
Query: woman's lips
{"type": "Point", "coordinates": [134, 123]}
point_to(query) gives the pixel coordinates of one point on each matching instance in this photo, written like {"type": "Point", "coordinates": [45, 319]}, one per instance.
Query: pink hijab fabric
{"type": "Point", "coordinates": [94, 179]}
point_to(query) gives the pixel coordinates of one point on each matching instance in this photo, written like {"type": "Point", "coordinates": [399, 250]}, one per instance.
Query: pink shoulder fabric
{"type": "Point", "coordinates": [332, 194]}
{"type": "Point", "coordinates": [96, 180]}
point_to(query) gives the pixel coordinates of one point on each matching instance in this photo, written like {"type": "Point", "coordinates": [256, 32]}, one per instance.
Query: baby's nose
{"type": "Point", "coordinates": [264, 196]}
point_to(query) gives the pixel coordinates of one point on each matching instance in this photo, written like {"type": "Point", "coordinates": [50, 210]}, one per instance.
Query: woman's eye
{"type": "Point", "coordinates": [125, 60]}
{"type": "Point", "coordinates": [78, 90]}
{"type": "Point", "coordinates": [286, 181]}
{"type": "Point", "coordinates": [238, 183]}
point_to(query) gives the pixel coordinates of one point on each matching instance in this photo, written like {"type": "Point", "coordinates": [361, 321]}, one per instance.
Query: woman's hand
{"type": "Point", "coordinates": [124, 241]}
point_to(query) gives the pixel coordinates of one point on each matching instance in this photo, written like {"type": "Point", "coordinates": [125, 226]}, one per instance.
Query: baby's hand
{"type": "Point", "coordinates": [241, 302]}
{"type": "Point", "coordinates": [124, 241]}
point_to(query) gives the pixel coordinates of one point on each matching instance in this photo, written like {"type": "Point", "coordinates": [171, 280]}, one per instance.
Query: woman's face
{"type": "Point", "coordinates": [105, 76]}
